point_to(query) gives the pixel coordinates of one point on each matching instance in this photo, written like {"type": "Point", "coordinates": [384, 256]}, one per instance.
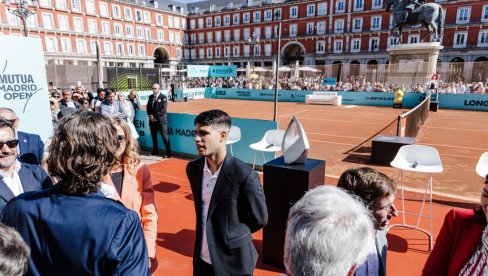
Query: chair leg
{"type": "Point", "coordinates": [400, 176]}
{"type": "Point", "coordinates": [231, 151]}
{"type": "Point", "coordinates": [254, 163]}
{"type": "Point", "coordinates": [431, 214]}
{"type": "Point", "coordinates": [264, 157]}
{"type": "Point", "coordinates": [427, 189]}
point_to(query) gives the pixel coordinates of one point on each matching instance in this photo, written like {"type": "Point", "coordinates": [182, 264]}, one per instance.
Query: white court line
{"type": "Point", "coordinates": [336, 143]}
{"type": "Point", "coordinates": [454, 128]}
{"type": "Point", "coordinates": [449, 146]}
{"type": "Point", "coordinates": [293, 113]}
{"type": "Point", "coordinates": [341, 136]}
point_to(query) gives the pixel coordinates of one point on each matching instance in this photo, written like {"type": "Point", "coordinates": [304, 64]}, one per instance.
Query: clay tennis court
{"type": "Point", "coordinates": [341, 136]}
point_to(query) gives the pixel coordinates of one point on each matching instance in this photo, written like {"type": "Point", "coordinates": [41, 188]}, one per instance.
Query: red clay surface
{"type": "Point", "coordinates": [342, 135]}
{"type": "Point", "coordinates": [407, 251]}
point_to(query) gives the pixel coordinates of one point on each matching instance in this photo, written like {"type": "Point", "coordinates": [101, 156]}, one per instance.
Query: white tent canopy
{"type": "Point", "coordinates": [308, 69]}
{"type": "Point", "coordinates": [260, 69]}
{"type": "Point", "coordinates": [285, 69]}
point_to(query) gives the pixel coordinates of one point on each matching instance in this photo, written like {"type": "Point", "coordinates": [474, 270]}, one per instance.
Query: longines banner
{"type": "Point", "coordinates": [23, 84]}
{"type": "Point", "coordinates": [204, 71]}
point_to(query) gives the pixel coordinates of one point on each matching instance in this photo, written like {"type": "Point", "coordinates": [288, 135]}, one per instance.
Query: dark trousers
{"type": "Point", "coordinates": [163, 128]}
{"type": "Point", "coordinates": [203, 269]}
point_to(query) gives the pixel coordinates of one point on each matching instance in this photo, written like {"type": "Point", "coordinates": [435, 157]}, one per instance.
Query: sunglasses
{"type": "Point", "coordinates": [10, 143]}
{"type": "Point", "coordinates": [12, 121]}
{"type": "Point", "coordinates": [121, 138]}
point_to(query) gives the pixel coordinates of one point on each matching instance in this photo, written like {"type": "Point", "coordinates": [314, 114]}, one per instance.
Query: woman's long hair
{"type": "Point", "coordinates": [130, 157]}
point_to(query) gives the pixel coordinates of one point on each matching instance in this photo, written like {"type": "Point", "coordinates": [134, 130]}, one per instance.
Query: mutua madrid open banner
{"type": "Point", "coordinates": [23, 84]}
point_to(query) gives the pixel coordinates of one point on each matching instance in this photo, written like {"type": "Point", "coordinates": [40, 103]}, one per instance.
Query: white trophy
{"type": "Point", "coordinates": [295, 143]}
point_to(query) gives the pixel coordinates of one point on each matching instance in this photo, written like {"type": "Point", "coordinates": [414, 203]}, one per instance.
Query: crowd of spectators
{"type": "Point", "coordinates": [354, 84]}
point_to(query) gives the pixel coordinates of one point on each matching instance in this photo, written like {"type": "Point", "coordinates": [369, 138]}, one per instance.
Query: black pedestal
{"type": "Point", "coordinates": [284, 185]}
{"type": "Point", "coordinates": [434, 106]}
{"type": "Point", "coordinates": [385, 148]}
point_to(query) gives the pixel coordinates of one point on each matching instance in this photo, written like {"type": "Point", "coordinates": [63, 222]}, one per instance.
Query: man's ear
{"type": "Point", "coordinates": [223, 134]}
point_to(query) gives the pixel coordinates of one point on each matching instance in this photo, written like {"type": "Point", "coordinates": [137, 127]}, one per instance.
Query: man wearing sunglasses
{"type": "Point", "coordinates": [16, 177]}
{"type": "Point", "coordinates": [31, 147]}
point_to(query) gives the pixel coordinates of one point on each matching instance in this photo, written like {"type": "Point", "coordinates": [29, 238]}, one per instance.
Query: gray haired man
{"type": "Point", "coordinates": [329, 233]}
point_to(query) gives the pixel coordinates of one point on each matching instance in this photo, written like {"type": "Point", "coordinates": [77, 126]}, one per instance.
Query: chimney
{"type": "Point", "coordinates": [250, 3]}
{"type": "Point", "coordinates": [230, 5]}
{"type": "Point", "coordinates": [212, 8]}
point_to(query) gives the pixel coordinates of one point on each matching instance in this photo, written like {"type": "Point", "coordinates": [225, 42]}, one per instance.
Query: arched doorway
{"type": "Point", "coordinates": [354, 68]}
{"type": "Point", "coordinates": [337, 70]}
{"type": "Point", "coordinates": [293, 51]}
{"type": "Point", "coordinates": [480, 69]}
{"type": "Point", "coordinates": [456, 70]}
{"type": "Point", "coordinates": [372, 70]}
{"type": "Point", "coordinates": [161, 57]}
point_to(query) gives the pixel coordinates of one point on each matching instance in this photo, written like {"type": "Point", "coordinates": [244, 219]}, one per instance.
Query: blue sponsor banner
{"type": "Point", "coordinates": [197, 71]}
{"type": "Point", "coordinates": [204, 71]}
{"type": "Point", "coordinates": [329, 81]}
{"type": "Point", "coordinates": [222, 71]}
{"type": "Point", "coordinates": [477, 102]}
{"type": "Point", "coordinates": [181, 132]}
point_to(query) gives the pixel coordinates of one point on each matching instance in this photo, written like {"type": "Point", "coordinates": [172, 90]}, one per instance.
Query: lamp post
{"type": "Point", "coordinates": [253, 40]}
{"type": "Point", "coordinates": [277, 72]}
{"type": "Point", "coordinates": [22, 10]}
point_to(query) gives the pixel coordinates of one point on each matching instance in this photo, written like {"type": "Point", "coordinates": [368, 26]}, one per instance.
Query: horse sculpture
{"type": "Point", "coordinates": [429, 15]}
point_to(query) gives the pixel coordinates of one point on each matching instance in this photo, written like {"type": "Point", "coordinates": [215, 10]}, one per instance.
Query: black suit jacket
{"type": "Point", "coordinates": [237, 209]}
{"type": "Point", "coordinates": [32, 178]}
{"type": "Point", "coordinates": [159, 108]}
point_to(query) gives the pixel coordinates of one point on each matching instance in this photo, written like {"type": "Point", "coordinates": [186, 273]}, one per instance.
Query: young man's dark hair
{"type": "Point", "coordinates": [213, 117]}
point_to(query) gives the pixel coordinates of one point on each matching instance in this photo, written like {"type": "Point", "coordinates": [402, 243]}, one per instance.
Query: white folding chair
{"type": "Point", "coordinates": [233, 137]}
{"type": "Point", "coordinates": [271, 142]}
{"type": "Point", "coordinates": [423, 159]}
{"type": "Point", "coordinates": [482, 166]}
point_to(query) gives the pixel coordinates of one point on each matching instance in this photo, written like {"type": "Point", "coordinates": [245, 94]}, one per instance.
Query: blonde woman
{"type": "Point", "coordinates": [133, 186]}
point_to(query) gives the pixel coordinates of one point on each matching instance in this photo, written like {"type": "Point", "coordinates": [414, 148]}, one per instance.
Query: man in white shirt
{"type": "Point", "coordinates": [112, 108]}
{"type": "Point", "coordinates": [229, 202]}
{"type": "Point", "coordinates": [16, 177]}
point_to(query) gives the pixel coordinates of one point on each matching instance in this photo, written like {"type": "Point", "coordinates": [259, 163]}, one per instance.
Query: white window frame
{"type": "Point", "coordinates": [193, 24]}
{"type": "Point", "coordinates": [209, 37]}
{"type": "Point", "coordinates": [458, 34]}
{"type": "Point", "coordinates": [237, 35]}
{"type": "Point", "coordinates": [131, 49]}
{"type": "Point", "coordinates": [129, 30]}
{"type": "Point", "coordinates": [60, 5]}
{"type": "Point", "coordinates": [340, 6]}
{"type": "Point", "coordinates": [268, 50]}
{"type": "Point", "coordinates": [147, 17]}
{"type": "Point", "coordinates": [357, 28]}
{"type": "Point", "coordinates": [209, 52]}
{"type": "Point", "coordinates": [78, 25]}
{"type": "Point", "coordinates": [277, 14]}
{"type": "Point", "coordinates": [47, 20]}
{"type": "Point", "coordinates": [460, 11]}
{"type": "Point", "coordinates": [236, 19]}
{"type": "Point", "coordinates": [138, 17]}
{"type": "Point", "coordinates": [119, 49]}
{"type": "Point", "coordinates": [51, 44]}
{"type": "Point", "coordinates": [208, 22]}
{"type": "Point", "coordinates": [218, 21]}
{"type": "Point", "coordinates": [293, 30]}
{"type": "Point", "coordinates": [320, 47]}
{"type": "Point", "coordinates": [310, 28]}
{"type": "Point", "coordinates": [66, 46]}
{"type": "Point", "coordinates": [311, 10]}
{"type": "Point", "coordinates": [256, 15]}
{"type": "Point", "coordinates": [127, 14]}
{"type": "Point", "coordinates": [105, 27]}
{"type": "Point", "coordinates": [159, 20]}
{"type": "Point", "coordinates": [377, 4]}
{"type": "Point", "coordinates": [294, 12]}
{"type": "Point", "coordinates": [354, 42]}
{"type": "Point", "coordinates": [321, 27]}
{"type": "Point", "coordinates": [373, 27]}
{"type": "Point", "coordinates": [227, 20]}
{"type": "Point", "coordinates": [484, 13]}
{"type": "Point", "coordinates": [90, 7]}
{"type": "Point", "coordinates": [236, 51]}
{"type": "Point", "coordinates": [371, 44]}
{"type": "Point", "coordinates": [246, 49]}
{"type": "Point", "coordinates": [268, 15]}
{"type": "Point", "coordinates": [75, 5]}
{"type": "Point", "coordinates": [141, 50]}
{"type": "Point", "coordinates": [322, 8]}
{"type": "Point", "coordinates": [246, 17]}
{"type": "Point", "coordinates": [338, 46]}
{"type": "Point", "coordinates": [63, 23]}
{"type": "Point", "coordinates": [358, 5]}
{"type": "Point", "coordinates": [92, 26]}
{"type": "Point", "coordinates": [413, 38]}
{"type": "Point", "coordinates": [103, 7]}
{"type": "Point", "coordinates": [218, 36]}
{"type": "Point", "coordinates": [218, 52]}
{"type": "Point", "coordinates": [339, 26]}
{"type": "Point", "coordinates": [483, 38]}
{"type": "Point", "coordinates": [116, 12]}
{"type": "Point", "coordinates": [118, 29]}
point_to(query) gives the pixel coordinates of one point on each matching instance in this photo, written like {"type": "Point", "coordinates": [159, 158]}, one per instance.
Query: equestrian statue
{"type": "Point", "coordinates": [414, 12]}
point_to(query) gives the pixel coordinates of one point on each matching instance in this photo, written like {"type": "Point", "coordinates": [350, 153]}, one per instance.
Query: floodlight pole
{"type": "Point", "coordinates": [22, 11]}
{"type": "Point", "coordinates": [277, 70]}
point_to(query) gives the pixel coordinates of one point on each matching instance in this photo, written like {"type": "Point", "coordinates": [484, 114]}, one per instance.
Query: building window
{"type": "Point", "coordinates": [209, 52]}
{"type": "Point", "coordinates": [78, 23]}
{"type": "Point", "coordinates": [237, 35]}
{"type": "Point", "coordinates": [227, 51]}
{"type": "Point", "coordinates": [119, 47]}
{"type": "Point", "coordinates": [484, 14]}
{"type": "Point", "coordinates": [247, 34]}
{"type": "Point", "coordinates": [104, 9]}
{"type": "Point", "coordinates": [374, 44]}
{"type": "Point", "coordinates": [65, 45]}
{"type": "Point", "coordinates": [246, 50]}
{"type": "Point", "coordinates": [338, 46]}
{"type": "Point", "coordinates": [358, 5]}
{"type": "Point", "coordinates": [375, 23]}
{"type": "Point", "coordinates": [268, 15]}
{"type": "Point", "coordinates": [201, 53]}
{"type": "Point", "coordinates": [61, 4]}
{"type": "Point", "coordinates": [218, 52]}
{"type": "Point", "coordinates": [246, 17]}
{"type": "Point", "coordinates": [116, 11]}
{"type": "Point", "coordinates": [209, 37]}
{"type": "Point", "coordinates": [105, 27]}
{"type": "Point", "coordinates": [257, 32]}
{"type": "Point", "coordinates": [227, 35]}
{"type": "Point", "coordinates": [268, 50]}
{"type": "Point", "coordinates": [256, 50]}
{"type": "Point", "coordinates": [63, 23]}
{"type": "Point", "coordinates": [311, 10]}
{"type": "Point", "coordinates": [235, 19]}
{"type": "Point", "coordinates": [483, 39]}
{"type": "Point", "coordinates": [460, 39]}
{"type": "Point", "coordinates": [193, 54]}
{"type": "Point", "coordinates": [160, 35]}
{"type": "Point", "coordinates": [200, 22]}
{"type": "Point", "coordinates": [192, 24]}
{"type": "Point", "coordinates": [257, 16]}
{"type": "Point", "coordinates": [355, 45]}
{"type": "Point", "coordinates": [47, 21]}
{"type": "Point", "coordinates": [236, 51]}
{"type": "Point", "coordinates": [118, 29]}
{"type": "Point", "coordinates": [208, 22]}
{"type": "Point", "coordinates": [322, 8]}
{"type": "Point", "coordinates": [310, 28]}
{"type": "Point", "coordinates": [293, 30]}
{"type": "Point", "coordinates": [277, 13]}
{"type": "Point", "coordinates": [107, 48]}
{"type": "Point", "coordinates": [90, 6]}
{"type": "Point", "coordinates": [377, 4]}
{"type": "Point", "coordinates": [177, 36]}
{"type": "Point", "coordinates": [218, 21]}
{"type": "Point", "coordinates": [320, 47]}
{"type": "Point", "coordinates": [142, 49]}
{"type": "Point", "coordinates": [226, 20]}
{"type": "Point", "coordinates": [159, 20]}
{"type": "Point", "coordinates": [93, 47]}
{"type": "Point", "coordinates": [128, 14]}
{"type": "Point", "coordinates": [463, 15]}
{"type": "Point", "coordinates": [140, 32]}
{"type": "Point", "coordinates": [340, 6]}
{"type": "Point", "coordinates": [412, 39]}
{"type": "Point", "coordinates": [357, 24]}
{"type": "Point", "coordinates": [92, 26]}
{"type": "Point", "coordinates": [51, 44]}
{"type": "Point", "coordinates": [294, 12]}
{"type": "Point", "coordinates": [339, 26]}
{"type": "Point", "coordinates": [321, 28]}
{"type": "Point", "coordinates": [138, 16]}
{"type": "Point", "coordinates": [75, 5]}
{"type": "Point", "coordinates": [218, 36]}
{"type": "Point", "coordinates": [129, 30]}
{"type": "Point", "coordinates": [147, 17]}
{"type": "Point", "coordinates": [171, 22]}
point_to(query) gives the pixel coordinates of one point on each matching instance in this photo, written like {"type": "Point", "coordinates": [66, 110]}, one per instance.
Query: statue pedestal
{"type": "Point", "coordinates": [412, 64]}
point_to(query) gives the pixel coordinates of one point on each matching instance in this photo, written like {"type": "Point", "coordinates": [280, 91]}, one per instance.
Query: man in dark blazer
{"type": "Point", "coordinates": [16, 177]}
{"type": "Point", "coordinates": [157, 105]}
{"type": "Point", "coordinates": [31, 147]}
{"type": "Point", "coordinates": [229, 202]}
{"type": "Point", "coordinates": [377, 191]}
{"type": "Point", "coordinates": [72, 228]}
